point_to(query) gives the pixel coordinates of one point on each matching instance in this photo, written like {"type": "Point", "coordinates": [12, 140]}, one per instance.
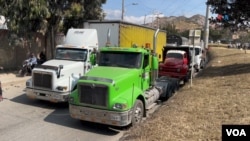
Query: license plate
{"type": "Point", "coordinates": [115, 117]}
{"type": "Point", "coordinates": [42, 94]}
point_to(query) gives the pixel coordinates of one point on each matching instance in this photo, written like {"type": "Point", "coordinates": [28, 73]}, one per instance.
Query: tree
{"type": "Point", "coordinates": [76, 13]}
{"type": "Point", "coordinates": [223, 35]}
{"type": "Point", "coordinates": [171, 28]}
{"type": "Point", "coordinates": [233, 14]}
{"type": "Point", "coordinates": [48, 17]}
{"type": "Point", "coordinates": [24, 15]}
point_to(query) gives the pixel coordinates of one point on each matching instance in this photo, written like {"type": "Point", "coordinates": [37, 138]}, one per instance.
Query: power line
{"type": "Point", "coordinates": [193, 8]}
{"type": "Point", "coordinates": [174, 5]}
{"type": "Point", "coordinates": [150, 9]}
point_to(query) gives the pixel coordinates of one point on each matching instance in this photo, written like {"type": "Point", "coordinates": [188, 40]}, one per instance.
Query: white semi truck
{"type": "Point", "coordinates": [55, 79]}
{"type": "Point", "coordinates": [199, 57]}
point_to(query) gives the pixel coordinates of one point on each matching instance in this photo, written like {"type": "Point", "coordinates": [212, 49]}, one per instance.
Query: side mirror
{"type": "Point", "coordinates": [60, 66]}
{"type": "Point", "coordinates": [93, 58]}
{"type": "Point", "coordinates": [59, 71]}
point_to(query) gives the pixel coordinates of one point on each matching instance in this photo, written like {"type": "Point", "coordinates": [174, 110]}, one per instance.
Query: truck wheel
{"type": "Point", "coordinates": [188, 76]}
{"type": "Point", "coordinates": [169, 94]}
{"type": "Point", "coordinates": [186, 79]}
{"type": "Point", "coordinates": [138, 112]}
{"type": "Point", "coordinates": [22, 72]}
{"type": "Point", "coordinates": [202, 64]}
{"type": "Point", "coordinates": [197, 70]}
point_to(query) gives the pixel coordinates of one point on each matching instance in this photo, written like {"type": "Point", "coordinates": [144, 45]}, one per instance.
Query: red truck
{"type": "Point", "coordinates": [176, 63]}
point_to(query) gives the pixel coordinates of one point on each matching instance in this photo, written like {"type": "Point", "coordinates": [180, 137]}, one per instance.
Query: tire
{"type": "Point", "coordinates": [138, 112]}
{"type": "Point", "coordinates": [186, 79]}
{"type": "Point", "coordinates": [177, 86]}
{"type": "Point", "coordinates": [197, 70]}
{"type": "Point", "coordinates": [170, 94]}
{"type": "Point", "coordinates": [199, 67]}
{"type": "Point", "coordinates": [22, 72]}
{"type": "Point", "coordinates": [202, 65]}
{"type": "Point", "coordinates": [166, 95]}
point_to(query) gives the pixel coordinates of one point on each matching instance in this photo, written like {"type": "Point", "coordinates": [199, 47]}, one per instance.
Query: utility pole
{"type": "Point", "coordinates": [122, 10]}
{"type": "Point", "coordinates": [206, 28]}
{"type": "Point", "coordinates": [157, 19]}
{"type": "Point", "coordinates": [192, 63]}
{"type": "Point", "coordinates": [145, 19]}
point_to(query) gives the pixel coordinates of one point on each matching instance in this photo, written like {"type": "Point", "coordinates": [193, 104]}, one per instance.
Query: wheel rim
{"type": "Point", "coordinates": [138, 113]}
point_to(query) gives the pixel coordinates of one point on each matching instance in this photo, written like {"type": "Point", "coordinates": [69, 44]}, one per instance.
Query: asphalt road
{"type": "Point", "coordinates": [24, 119]}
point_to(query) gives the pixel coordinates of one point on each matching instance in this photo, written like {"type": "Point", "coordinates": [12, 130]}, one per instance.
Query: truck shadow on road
{"type": "Point", "coordinates": [23, 99]}
{"type": "Point", "coordinates": [61, 116]}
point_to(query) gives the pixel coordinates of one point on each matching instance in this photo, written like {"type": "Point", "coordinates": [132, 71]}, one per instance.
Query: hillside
{"type": "Point", "coordinates": [182, 23]}
{"type": "Point", "coordinates": [220, 95]}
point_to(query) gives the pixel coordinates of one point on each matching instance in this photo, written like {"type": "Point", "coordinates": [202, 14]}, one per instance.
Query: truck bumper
{"type": "Point", "coordinates": [101, 116]}
{"type": "Point", "coordinates": [47, 95]}
{"type": "Point", "coordinates": [171, 74]}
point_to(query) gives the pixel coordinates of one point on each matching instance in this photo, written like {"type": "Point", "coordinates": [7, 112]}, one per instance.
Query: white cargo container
{"type": "Point", "coordinates": [125, 34]}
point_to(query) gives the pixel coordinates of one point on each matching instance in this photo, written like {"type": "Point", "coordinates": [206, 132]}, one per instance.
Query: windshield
{"type": "Point", "coordinates": [174, 55]}
{"type": "Point", "coordinates": [120, 59]}
{"type": "Point", "coordinates": [71, 54]}
{"type": "Point", "coordinates": [197, 50]}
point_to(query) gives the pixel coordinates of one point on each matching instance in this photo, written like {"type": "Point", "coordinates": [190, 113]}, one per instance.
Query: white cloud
{"type": "Point", "coordinates": [133, 19]}
{"type": "Point", "coordinates": [116, 15]}
{"type": "Point", "coordinates": [113, 14]}
{"type": "Point", "coordinates": [142, 19]}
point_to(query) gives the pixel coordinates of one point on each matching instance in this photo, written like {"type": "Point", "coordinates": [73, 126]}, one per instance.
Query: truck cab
{"type": "Point", "coordinates": [177, 63]}
{"type": "Point", "coordinates": [121, 89]}
{"type": "Point", "coordinates": [56, 78]}
{"type": "Point", "coordinates": [199, 59]}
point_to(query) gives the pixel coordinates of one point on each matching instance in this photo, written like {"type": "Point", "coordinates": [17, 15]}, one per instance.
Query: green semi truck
{"type": "Point", "coordinates": [122, 88]}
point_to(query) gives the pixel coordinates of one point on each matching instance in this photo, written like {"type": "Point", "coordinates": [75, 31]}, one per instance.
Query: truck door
{"type": "Point", "coordinates": [145, 72]}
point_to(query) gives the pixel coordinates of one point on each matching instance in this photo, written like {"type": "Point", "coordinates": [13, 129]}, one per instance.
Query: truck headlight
{"type": "Point", "coordinates": [61, 88]}
{"type": "Point", "coordinates": [120, 106]}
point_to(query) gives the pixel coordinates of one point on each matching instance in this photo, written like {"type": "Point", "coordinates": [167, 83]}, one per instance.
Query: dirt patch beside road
{"type": "Point", "coordinates": [11, 79]}
{"type": "Point", "coordinates": [219, 95]}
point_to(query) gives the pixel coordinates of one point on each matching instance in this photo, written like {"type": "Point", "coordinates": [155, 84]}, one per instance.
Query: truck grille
{"type": "Point", "coordinates": [93, 94]}
{"type": "Point", "coordinates": [42, 80]}
{"type": "Point", "coordinates": [168, 69]}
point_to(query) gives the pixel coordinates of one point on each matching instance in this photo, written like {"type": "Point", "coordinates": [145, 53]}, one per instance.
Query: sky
{"type": "Point", "coordinates": [145, 11]}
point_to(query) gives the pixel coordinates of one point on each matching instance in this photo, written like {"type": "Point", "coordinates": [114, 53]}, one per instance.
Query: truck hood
{"type": "Point", "coordinates": [112, 73]}
{"type": "Point", "coordinates": [172, 62]}
{"type": "Point", "coordinates": [120, 82]}
{"type": "Point", "coordinates": [65, 63]}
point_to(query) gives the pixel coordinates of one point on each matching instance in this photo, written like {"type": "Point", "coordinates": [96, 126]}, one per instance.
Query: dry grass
{"type": "Point", "coordinates": [219, 95]}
